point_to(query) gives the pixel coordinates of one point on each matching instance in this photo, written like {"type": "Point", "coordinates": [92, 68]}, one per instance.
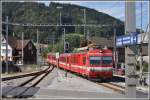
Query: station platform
{"type": "Point", "coordinates": [73, 86]}
{"type": "Point", "coordinates": [55, 93]}
{"type": "Point", "coordinates": [140, 88]}
{"type": "Point", "coordinates": [121, 76]}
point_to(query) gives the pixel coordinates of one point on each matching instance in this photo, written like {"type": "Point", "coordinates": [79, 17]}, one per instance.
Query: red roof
{"type": "Point", "coordinates": [17, 44]}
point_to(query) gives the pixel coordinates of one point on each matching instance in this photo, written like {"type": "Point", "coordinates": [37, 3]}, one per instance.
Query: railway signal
{"type": "Point", "coordinates": [66, 47]}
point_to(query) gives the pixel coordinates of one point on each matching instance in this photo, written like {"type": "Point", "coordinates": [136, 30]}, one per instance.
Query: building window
{"type": "Point", "coordinates": [4, 50]}
{"type": "Point", "coordinates": [20, 52]}
{"type": "Point", "coordinates": [3, 39]}
{"type": "Point", "coordinates": [30, 46]}
{"type": "Point", "coordinates": [2, 57]}
{"type": "Point", "coordinates": [3, 44]}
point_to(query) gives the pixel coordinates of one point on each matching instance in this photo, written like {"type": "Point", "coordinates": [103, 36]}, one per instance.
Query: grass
{"type": "Point", "coordinates": [31, 66]}
{"type": "Point", "coordinates": [10, 73]}
{"type": "Point", "coordinates": [25, 68]}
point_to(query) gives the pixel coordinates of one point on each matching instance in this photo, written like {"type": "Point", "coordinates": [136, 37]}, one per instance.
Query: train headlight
{"type": "Point", "coordinates": [100, 51]}
{"type": "Point", "coordinates": [88, 68]}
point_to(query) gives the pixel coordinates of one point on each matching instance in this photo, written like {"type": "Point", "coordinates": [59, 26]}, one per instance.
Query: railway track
{"type": "Point", "coordinates": [114, 87]}
{"type": "Point", "coordinates": [36, 79]}
{"type": "Point", "coordinates": [32, 82]}
{"type": "Point", "coordinates": [23, 75]}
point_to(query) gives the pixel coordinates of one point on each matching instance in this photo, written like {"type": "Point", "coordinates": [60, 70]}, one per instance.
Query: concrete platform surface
{"type": "Point", "coordinates": [73, 86]}
{"type": "Point", "coordinates": [55, 93]}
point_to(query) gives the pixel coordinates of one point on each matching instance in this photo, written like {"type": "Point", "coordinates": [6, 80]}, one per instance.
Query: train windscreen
{"type": "Point", "coordinates": [97, 60]}
{"type": "Point", "coordinates": [107, 60]}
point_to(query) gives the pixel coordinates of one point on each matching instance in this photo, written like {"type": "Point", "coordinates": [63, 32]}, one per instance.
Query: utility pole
{"type": "Point", "coordinates": [130, 68]}
{"type": "Point", "coordinates": [37, 45]}
{"type": "Point", "coordinates": [59, 7]}
{"type": "Point", "coordinates": [140, 50]}
{"type": "Point", "coordinates": [149, 44]}
{"type": "Point", "coordinates": [115, 50]}
{"type": "Point", "coordinates": [85, 23]}
{"type": "Point", "coordinates": [64, 40]}
{"type": "Point", "coordinates": [60, 17]}
{"type": "Point", "coordinates": [53, 39]}
{"type": "Point", "coordinates": [57, 58]}
{"type": "Point", "coordinates": [7, 44]}
{"type": "Point", "coordinates": [65, 47]}
{"type": "Point", "coordinates": [22, 48]}
{"type": "Point", "coordinates": [88, 37]}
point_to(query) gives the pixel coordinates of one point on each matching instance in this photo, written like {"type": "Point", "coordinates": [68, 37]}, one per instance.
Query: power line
{"type": "Point", "coordinates": [55, 25]}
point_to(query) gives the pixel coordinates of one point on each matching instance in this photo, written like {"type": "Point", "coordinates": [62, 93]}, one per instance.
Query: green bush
{"type": "Point", "coordinates": [145, 66]}
{"type": "Point", "coordinates": [74, 41]}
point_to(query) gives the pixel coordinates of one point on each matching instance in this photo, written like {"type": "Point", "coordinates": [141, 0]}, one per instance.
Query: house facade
{"type": "Point", "coordinates": [29, 52]}
{"type": "Point", "coordinates": [15, 50]}
{"type": "Point", "coordinates": [3, 50]}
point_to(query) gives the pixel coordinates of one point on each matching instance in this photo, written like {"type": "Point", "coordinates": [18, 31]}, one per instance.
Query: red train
{"type": "Point", "coordinates": [94, 64]}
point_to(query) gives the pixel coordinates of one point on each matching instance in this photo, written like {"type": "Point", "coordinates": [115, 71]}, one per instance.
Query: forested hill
{"type": "Point", "coordinates": [37, 13]}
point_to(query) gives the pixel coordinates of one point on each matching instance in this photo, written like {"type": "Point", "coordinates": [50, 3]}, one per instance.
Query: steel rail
{"type": "Point", "coordinates": [114, 87]}
{"type": "Point", "coordinates": [32, 82]}
{"type": "Point", "coordinates": [23, 75]}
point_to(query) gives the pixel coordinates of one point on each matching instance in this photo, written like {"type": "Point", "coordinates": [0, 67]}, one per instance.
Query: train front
{"type": "Point", "coordinates": [100, 65]}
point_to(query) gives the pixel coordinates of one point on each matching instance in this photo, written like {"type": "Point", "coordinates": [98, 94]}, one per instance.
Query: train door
{"type": "Point", "coordinates": [84, 67]}
{"type": "Point", "coordinates": [70, 62]}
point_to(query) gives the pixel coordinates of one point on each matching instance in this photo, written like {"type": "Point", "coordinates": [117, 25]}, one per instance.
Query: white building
{"type": "Point", "coordinates": [3, 49]}
{"type": "Point", "coordinates": [144, 38]}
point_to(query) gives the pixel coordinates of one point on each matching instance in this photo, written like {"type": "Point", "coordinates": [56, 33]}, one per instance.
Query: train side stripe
{"type": "Point", "coordinates": [90, 68]}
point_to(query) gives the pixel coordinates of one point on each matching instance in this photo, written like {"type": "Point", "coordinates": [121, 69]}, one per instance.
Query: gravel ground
{"type": "Point", "coordinates": [24, 69]}
{"type": "Point", "coordinates": [15, 82]}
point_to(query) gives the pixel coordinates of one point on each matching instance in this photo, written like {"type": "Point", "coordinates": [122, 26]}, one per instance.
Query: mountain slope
{"type": "Point", "coordinates": [30, 12]}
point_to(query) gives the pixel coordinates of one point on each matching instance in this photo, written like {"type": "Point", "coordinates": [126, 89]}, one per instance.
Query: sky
{"type": "Point", "coordinates": [115, 9]}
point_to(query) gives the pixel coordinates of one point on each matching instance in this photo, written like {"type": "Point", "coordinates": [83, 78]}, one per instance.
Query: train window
{"type": "Point", "coordinates": [107, 60]}
{"type": "Point", "coordinates": [84, 60]}
{"type": "Point", "coordinates": [95, 60]}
